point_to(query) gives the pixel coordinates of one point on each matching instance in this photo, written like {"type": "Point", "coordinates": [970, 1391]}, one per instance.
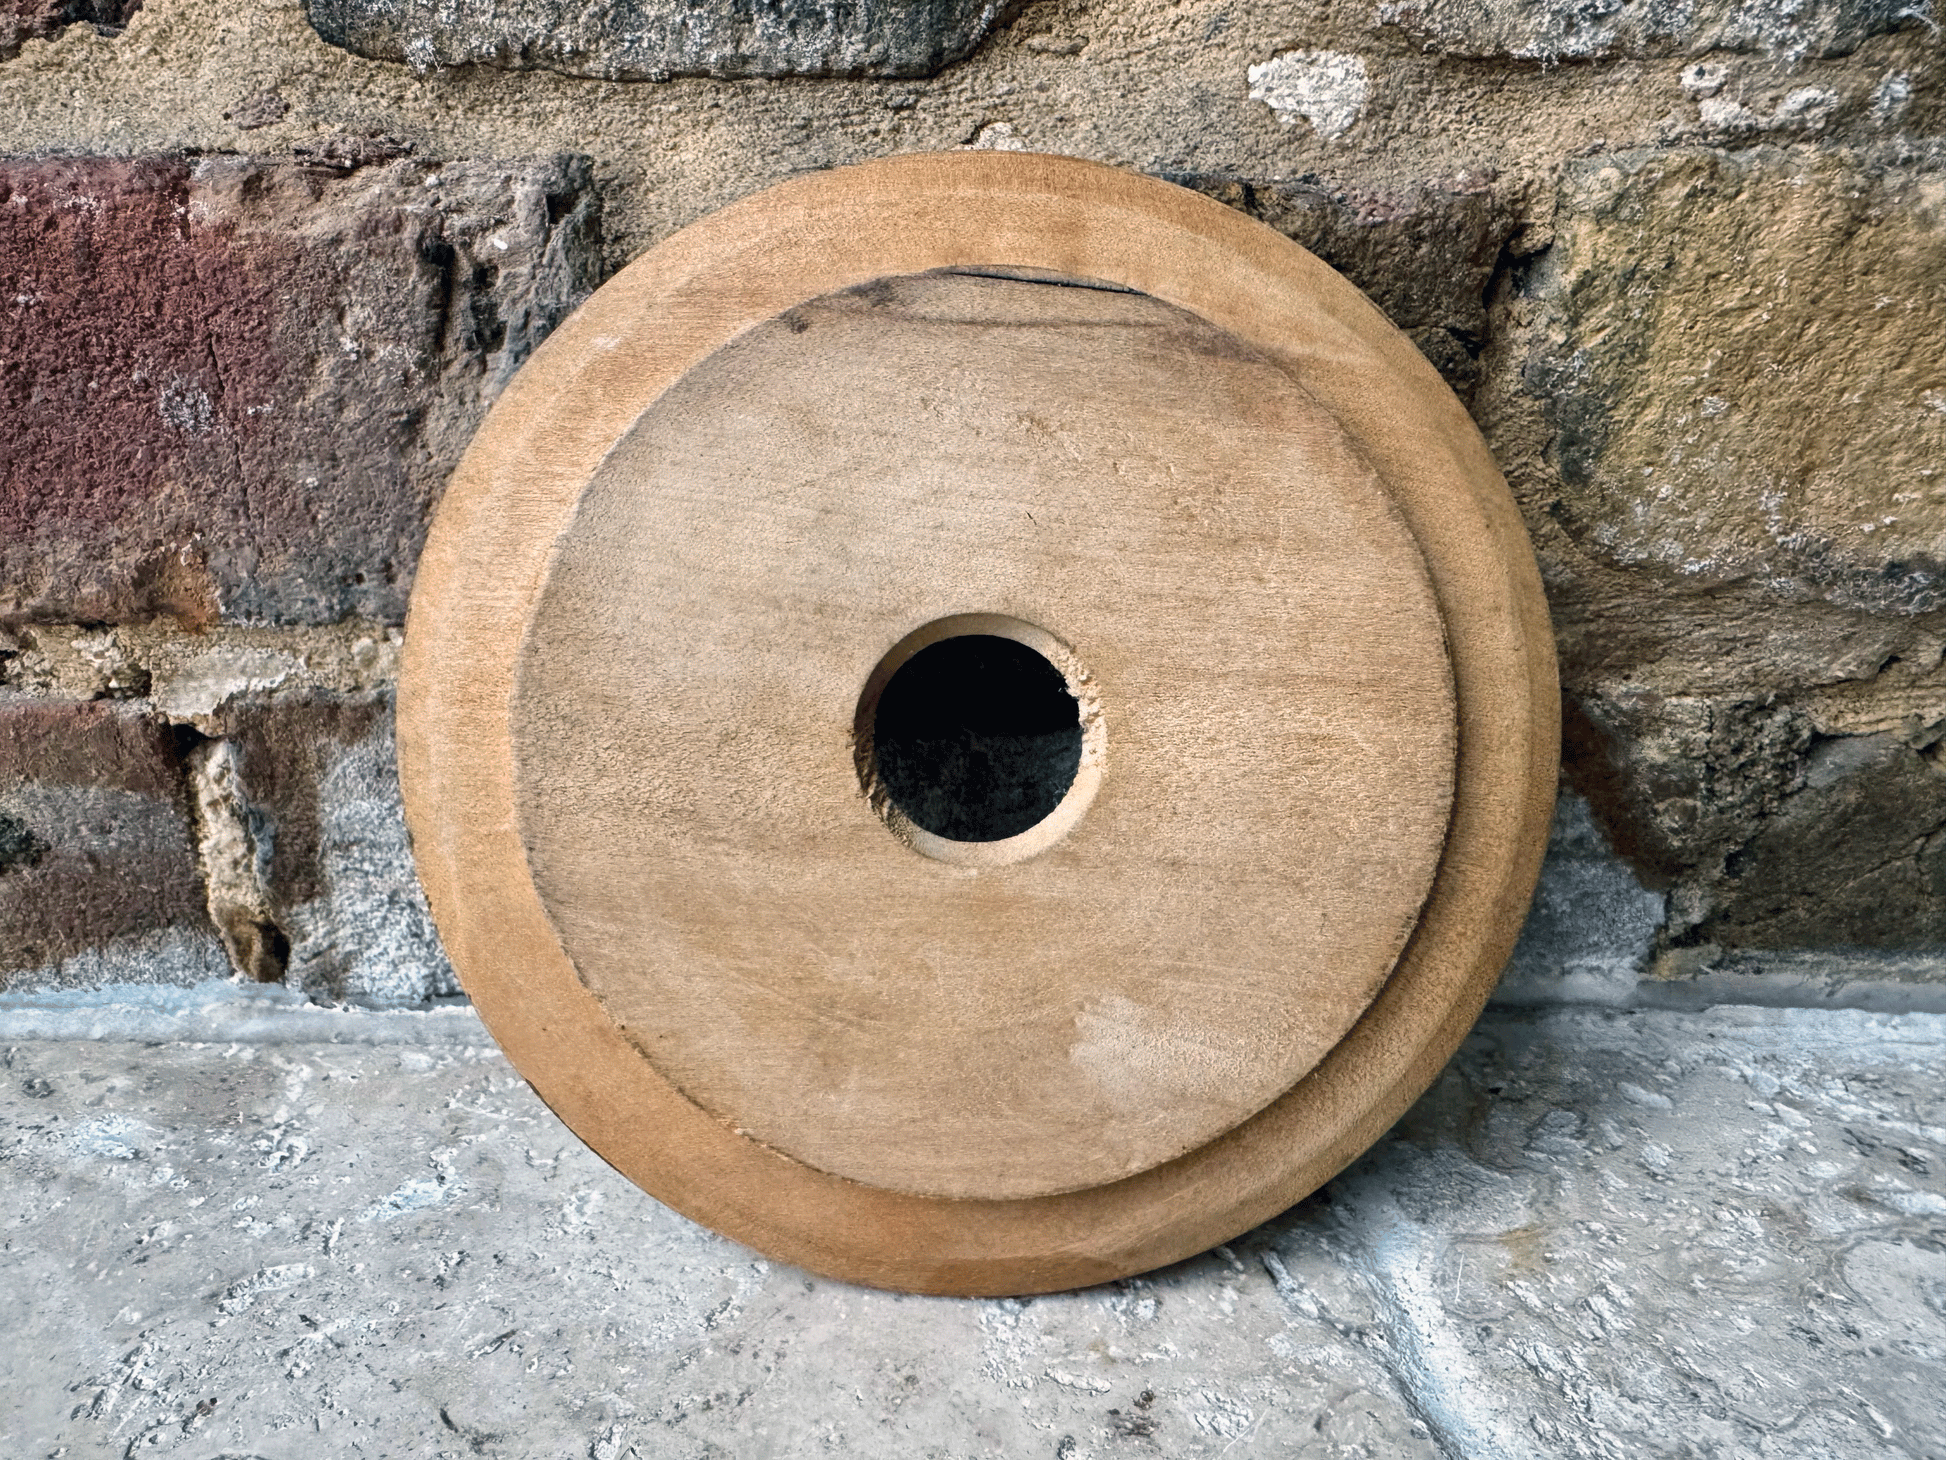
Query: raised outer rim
{"type": "Point", "coordinates": [511, 496]}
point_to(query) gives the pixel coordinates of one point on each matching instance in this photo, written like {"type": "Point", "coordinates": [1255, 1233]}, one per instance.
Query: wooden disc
{"type": "Point", "coordinates": [1263, 655]}
{"type": "Point", "coordinates": [820, 431]}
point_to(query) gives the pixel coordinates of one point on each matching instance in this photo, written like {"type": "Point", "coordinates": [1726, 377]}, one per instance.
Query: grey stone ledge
{"type": "Point", "coordinates": [1600, 1234]}
{"type": "Point", "coordinates": [655, 40]}
{"type": "Point", "coordinates": [1574, 30]}
{"type": "Point", "coordinates": [228, 1011]}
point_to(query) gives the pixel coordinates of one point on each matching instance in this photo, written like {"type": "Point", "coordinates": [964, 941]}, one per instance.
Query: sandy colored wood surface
{"type": "Point", "coordinates": [1319, 453]}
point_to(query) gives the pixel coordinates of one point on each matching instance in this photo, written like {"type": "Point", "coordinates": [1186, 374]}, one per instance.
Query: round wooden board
{"type": "Point", "coordinates": [872, 399]}
{"type": "Point", "coordinates": [1264, 657]}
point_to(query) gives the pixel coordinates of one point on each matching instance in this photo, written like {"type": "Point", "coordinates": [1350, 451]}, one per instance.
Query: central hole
{"type": "Point", "coordinates": [977, 738]}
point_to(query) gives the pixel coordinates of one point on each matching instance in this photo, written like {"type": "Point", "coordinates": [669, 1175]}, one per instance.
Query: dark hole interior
{"type": "Point", "coordinates": [977, 738]}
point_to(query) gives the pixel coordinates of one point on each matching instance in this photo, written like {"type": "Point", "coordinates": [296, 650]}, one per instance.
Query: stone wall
{"type": "Point", "coordinates": [265, 267]}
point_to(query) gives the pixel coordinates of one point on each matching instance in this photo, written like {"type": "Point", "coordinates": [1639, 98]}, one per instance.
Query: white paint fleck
{"type": "Point", "coordinates": [995, 137]}
{"type": "Point", "coordinates": [204, 684]}
{"type": "Point", "coordinates": [1704, 78]}
{"type": "Point", "coordinates": [1808, 106]}
{"type": "Point", "coordinates": [581, 1209]}
{"type": "Point", "coordinates": [1219, 1414]}
{"type": "Point", "coordinates": [186, 406]}
{"type": "Point", "coordinates": [411, 1196]}
{"type": "Point", "coordinates": [1648, 1099]}
{"type": "Point", "coordinates": [241, 1295]}
{"type": "Point", "coordinates": [1890, 99]}
{"type": "Point", "coordinates": [111, 1137]}
{"type": "Point", "coordinates": [1916, 1203]}
{"type": "Point", "coordinates": [1326, 88]}
{"type": "Point", "coordinates": [1079, 1381]}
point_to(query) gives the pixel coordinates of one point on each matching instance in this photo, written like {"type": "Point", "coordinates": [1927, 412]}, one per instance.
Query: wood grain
{"type": "Point", "coordinates": [485, 574]}
{"type": "Point", "coordinates": [1269, 665]}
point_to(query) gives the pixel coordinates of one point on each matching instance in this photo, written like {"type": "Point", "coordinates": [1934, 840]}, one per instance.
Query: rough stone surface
{"type": "Point", "coordinates": [1604, 1235]}
{"type": "Point", "coordinates": [1742, 373]}
{"type": "Point", "coordinates": [1426, 255]}
{"type": "Point", "coordinates": [1498, 207]}
{"type": "Point", "coordinates": [242, 778]}
{"type": "Point", "coordinates": [97, 861]}
{"type": "Point", "coordinates": [234, 387]}
{"type": "Point", "coordinates": [1730, 362]}
{"type": "Point", "coordinates": [304, 852]}
{"type": "Point", "coordinates": [193, 679]}
{"type": "Point", "coordinates": [1592, 926]}
{"type": "Point", "coordinates": [1563, 30]}
{"type": "Point", "coordinates": [319, 775]}
{"type": "Point", "coordinates": [653, 40]}
{"type": "Point", "coordinates": [234, 846]}
{"type": "Point", "coordinates": [1859, 840]}
{"type": "Point", "coordinates": [1596, 935]}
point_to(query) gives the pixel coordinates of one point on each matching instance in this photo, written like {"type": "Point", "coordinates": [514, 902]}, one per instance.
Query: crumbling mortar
{"type": "Point", "coordinates": [234, 842]}
{"type": "Point", "coordinates": [188, 677]}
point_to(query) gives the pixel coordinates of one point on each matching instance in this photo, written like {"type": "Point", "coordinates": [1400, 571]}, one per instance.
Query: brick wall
{"type": "Point", "coordinates": [265, 267]}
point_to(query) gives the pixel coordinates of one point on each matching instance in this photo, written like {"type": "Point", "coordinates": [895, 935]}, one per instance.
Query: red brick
{"type": "Point", "coordinates": [95, 839]}
{"type": "Point", "coordinates": [234, 387]}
